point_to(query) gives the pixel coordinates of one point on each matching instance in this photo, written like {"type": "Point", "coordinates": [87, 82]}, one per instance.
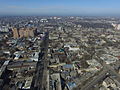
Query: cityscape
{"type": "Point", "coordinates": [59, 52]}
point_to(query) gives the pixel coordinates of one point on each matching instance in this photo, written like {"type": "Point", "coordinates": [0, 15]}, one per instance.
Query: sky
{"type": "Point", "coordinates": [60, 7]}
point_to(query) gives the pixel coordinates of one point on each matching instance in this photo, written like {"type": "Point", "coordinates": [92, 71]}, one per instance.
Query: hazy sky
{"type": "Point", "coordinates": [60, 7]}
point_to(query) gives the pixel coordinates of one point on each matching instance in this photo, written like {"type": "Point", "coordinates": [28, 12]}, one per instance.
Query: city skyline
{"type": "Point", "coordinates": [60, 7]}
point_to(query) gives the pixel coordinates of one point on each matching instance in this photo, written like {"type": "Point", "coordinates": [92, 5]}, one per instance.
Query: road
{"type": "Point", "coordinates": [40, 78]}
{"type": "Point", "coordinates": [106, 69]}
{"type": "Point", "coordinates": [109, 68]}
{"type": "Point", "coordinates": [90, 84]}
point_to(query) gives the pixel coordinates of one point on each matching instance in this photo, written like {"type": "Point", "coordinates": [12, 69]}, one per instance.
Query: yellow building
{"type": "Point", "coordinates": [23, 32]}
{"type": "Point", "coordinates": [15, 33]}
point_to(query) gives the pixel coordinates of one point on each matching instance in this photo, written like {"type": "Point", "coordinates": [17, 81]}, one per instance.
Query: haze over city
{"type": "Point", "coordinates": [60, 7]}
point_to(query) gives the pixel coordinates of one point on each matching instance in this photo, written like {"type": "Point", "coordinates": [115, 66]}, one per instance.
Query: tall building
{"type": "Point", "coordinates": [15, 33]}
{"type": "Point", "coordinates": [31, 32]}
{"type": "Point", "coordinates": [23, 32]}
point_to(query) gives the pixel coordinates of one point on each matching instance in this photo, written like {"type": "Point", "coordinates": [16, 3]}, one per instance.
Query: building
{"type": "Point", "coordinates": [15, 33]}
{"type": "Point", "coordinates": [23, 32]}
